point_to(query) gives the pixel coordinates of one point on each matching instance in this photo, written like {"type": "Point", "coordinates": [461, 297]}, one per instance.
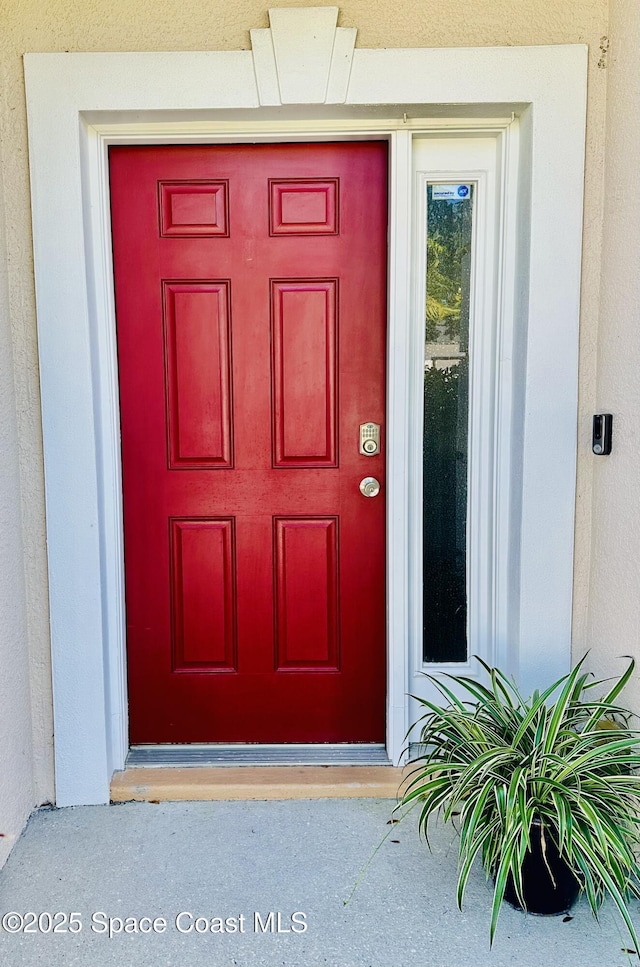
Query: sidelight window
{"type": "Point", "coordinates": [449, 227]}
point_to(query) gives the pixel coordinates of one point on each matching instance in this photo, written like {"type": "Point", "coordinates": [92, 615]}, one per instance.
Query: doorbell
{"type": "Point", "coordinates": [601, 437]}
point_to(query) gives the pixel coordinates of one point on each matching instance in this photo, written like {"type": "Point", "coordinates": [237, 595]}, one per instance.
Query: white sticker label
{"type": "Point", "coordinates": [450, 192]}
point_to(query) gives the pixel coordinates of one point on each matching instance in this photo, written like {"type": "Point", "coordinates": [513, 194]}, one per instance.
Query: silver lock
{"type": "Point", "coordinates": [369, 487]}
{"type": "Point", "coordinates": [369, 439]}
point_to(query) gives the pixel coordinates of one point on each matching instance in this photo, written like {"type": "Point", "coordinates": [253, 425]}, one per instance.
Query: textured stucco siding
{"type": "Point", "coordinates": [614, 600]}
{"type": "Point", "coordinates": [16, 777]}
{"type": "Point", "coordinates": [94, 25]}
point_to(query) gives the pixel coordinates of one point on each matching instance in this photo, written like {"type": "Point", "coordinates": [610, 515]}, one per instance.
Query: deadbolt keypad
{"type": "Point", "coordinates": [369, 439]}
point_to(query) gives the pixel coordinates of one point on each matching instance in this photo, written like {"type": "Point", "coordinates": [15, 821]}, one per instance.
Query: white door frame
{"type": "Point", "coordinates": [302, 79]}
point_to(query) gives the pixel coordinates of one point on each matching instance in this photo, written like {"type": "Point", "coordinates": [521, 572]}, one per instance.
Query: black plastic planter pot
{"type": "Point", "coordinates": [548, 884]}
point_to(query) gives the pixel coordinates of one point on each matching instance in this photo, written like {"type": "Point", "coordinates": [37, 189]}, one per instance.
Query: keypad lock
{"type": "Point", "coordinates": [369, 439]}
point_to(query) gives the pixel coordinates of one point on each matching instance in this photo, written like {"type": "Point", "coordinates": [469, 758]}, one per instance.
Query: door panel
{"type": "Point", "coordinates": [251, 303]}
{"type": "Point", "coordinates": [204, 597]}
{"type": "Point", "coordinates": [197, 361]}
{"type": "Point", "coordinates": [304, 342]}
{"type": "Point", "coordinates": [306, 556]}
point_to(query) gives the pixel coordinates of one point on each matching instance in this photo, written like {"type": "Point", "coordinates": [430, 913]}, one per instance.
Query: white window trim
{"type": "Point", "coordinates": [78, 104]}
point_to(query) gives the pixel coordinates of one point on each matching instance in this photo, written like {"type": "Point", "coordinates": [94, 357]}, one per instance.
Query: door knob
{"type": "Point", "coordinates": [369, 487]}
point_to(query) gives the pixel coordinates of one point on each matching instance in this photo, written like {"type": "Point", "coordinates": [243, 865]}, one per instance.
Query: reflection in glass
{"type": "Point", "coordinates": [446, 421]}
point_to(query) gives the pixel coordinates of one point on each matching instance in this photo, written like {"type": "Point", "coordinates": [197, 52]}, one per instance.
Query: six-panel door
{"type": "Point", "coordinates": [250, 299]}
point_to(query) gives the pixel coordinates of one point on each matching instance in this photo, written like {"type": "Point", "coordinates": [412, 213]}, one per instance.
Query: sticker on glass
{"type": "Point", "coordinates": [451, 192]}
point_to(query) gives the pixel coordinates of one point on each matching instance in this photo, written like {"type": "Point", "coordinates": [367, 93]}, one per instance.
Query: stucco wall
{"type": "Point", "coordinates": [65, 25]}
{"type": "Point", "coordinates": [16, 779]}
{"type": "Point", "coordinates": [614, 609]}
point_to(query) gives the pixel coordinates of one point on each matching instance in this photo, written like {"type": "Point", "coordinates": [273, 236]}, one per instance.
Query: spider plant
{"type": "Point", "coordinates": [500, 762]}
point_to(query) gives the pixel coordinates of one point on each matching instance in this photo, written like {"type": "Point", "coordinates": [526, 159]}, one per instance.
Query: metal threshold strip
{"type": "Point", "coordinates": [325, 754]}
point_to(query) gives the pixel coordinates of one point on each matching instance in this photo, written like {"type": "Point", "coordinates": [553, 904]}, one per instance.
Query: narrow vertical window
{"type": "Point", "coordinates": [446, 420]}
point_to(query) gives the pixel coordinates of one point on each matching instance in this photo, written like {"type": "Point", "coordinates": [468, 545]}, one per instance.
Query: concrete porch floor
{"type": "Point", "coordinates": [223, 859]}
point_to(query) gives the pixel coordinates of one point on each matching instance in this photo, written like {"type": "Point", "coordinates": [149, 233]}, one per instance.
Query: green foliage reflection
{"type": "Point", "coordinates": [446, 392]}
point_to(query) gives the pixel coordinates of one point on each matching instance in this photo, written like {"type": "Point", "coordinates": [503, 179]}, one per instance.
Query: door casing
{"type": "Point", "coordinates": [136, 99]}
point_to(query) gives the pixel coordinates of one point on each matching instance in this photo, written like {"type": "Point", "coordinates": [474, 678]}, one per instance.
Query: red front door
{"type": "Point", "coordinates": [250, 298]}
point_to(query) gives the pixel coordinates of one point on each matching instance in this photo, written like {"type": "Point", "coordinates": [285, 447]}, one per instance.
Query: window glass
{"type": "Point", "coordinates": [446, 420]}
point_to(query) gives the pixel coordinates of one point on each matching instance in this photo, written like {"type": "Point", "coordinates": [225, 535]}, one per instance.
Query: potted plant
{"type": "Point", "coordinates": [541, 791]}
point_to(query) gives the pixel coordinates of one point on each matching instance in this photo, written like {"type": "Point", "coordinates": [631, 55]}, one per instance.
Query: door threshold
{"type": "Point", "coordinates": [229, 755]}
{"type": "Point", "coordinates": [206, 783]}
{"type": "Point", "coordinates": [163, 773]}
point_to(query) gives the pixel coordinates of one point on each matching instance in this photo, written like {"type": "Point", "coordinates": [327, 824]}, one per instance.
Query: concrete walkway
{"type": "Point", "coordinates": [226, 859]}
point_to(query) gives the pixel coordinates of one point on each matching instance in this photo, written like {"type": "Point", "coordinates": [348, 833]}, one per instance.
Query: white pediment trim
{"type": "Point", "coordinates": [303, 57]}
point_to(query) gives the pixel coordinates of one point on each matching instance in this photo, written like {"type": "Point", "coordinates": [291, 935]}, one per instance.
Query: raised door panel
{"type": "Point", "coordinates": [204, 597]}
{"type": "Point", "coordinates": [193, 208]}
{"type": "Point", "coordinates": [304, 207]}
{"type": "Point", "coordinates": [307, 594]}
{"type": "Point", "coordinates": [304, 340]}
{"type": "Point", "coordinates": [198, 374]}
